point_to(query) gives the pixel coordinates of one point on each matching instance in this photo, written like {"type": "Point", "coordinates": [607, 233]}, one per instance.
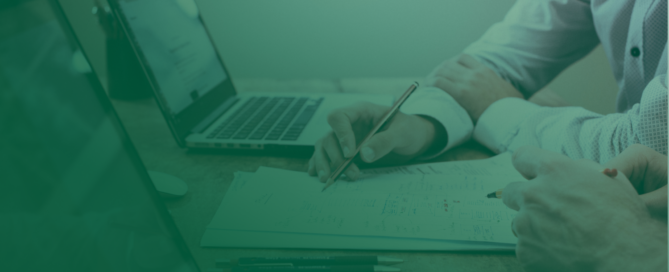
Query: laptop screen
{"type": "Point", "coordinates": [176, 46]}
{"type": "Point", "coordinates": [74, 194]}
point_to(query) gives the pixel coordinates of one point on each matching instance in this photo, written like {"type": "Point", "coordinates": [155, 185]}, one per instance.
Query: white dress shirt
{"type": "Point", "coordinates": [536, 41]}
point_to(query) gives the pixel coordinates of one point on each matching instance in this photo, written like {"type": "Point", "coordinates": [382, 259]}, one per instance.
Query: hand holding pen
{"type": "Point", "coordinates": [405, 137]}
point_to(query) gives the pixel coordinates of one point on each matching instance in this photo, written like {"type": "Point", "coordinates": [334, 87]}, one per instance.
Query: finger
{"type": "Point", "coordinates": [340, 120]}
{"type": "Point", "coordinates": [656, 202]}
{"type": "Point", "coordinates": [379, 145]}
{"type": "Point", "coordinates": [520, 224]}
{"type": "Point", "coordinates": [311, 170]}
{"type": "Point", "coordinates": [333, 152]}
{"type": "Point", "coordinates": [645, 168]}
{"type": "Point", "coordinates": [469, 62]}
{"type": "Point", "coordinates": [353, 172]}
{"type": "Point", "coordinates": [632, 163]}
{"type": "Point", "coordinates": [443, 84]}
{"type": "Point", "coordinates": [531, 161]}
{"type": "Point", "coordinates": [512, 195]}
{"type": "Point", "coordinates": [322, 164]}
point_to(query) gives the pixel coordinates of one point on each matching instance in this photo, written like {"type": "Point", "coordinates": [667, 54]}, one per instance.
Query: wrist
{"type": "Point", "coordinates": [643, 248]}
{"type": "Point", "coordinates": [435, 136]}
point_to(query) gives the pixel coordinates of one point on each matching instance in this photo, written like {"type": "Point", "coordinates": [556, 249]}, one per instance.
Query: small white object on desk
{"type": "Point", "coordinates": [167, 185]}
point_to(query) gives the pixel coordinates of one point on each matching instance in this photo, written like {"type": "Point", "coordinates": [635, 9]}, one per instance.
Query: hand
{"type": "Point", "coordinates": [473, 85]}
{"type": "Point", "coordinates": [646, 169]}
{"type": "Point", "coordinates": [406, 137]}
{"type": "Point", "coordinates": [571, 217]}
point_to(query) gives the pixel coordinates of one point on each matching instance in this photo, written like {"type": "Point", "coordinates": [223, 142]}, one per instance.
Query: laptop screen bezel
{"type": "Point", "coordinates": [127, 144]}
{"type": "Point", "coordinates": [183, 123]}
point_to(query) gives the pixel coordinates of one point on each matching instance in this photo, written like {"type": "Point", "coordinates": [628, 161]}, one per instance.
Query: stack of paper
{"type": "Point", "coordinates": [438, 206]}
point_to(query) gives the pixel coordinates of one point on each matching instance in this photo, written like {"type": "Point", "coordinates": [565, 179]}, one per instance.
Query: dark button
{"type": "Point", "coordinates": [635, 51]}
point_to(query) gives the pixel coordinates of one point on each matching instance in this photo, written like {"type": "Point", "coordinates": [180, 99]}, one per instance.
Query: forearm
{"type": "Point", "coordinates": [511, 123]}
{"type": "Point", "coordinates": [536, 41]}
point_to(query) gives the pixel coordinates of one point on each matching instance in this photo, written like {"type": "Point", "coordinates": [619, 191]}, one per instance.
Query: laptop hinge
{"type": "Point", "coordinates": [214, 115]}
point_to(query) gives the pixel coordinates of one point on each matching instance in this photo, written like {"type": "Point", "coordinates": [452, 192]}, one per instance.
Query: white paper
{"type": "Point", "coordinates": [446, 206]}
{"type": "Point", "coordinates": [250, 239]}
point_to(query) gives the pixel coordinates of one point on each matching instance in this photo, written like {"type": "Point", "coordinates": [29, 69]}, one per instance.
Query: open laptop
{"type": "Point", "coordinates": [197, 96]}
{"type": "Point", "coordinates": [74, 195]}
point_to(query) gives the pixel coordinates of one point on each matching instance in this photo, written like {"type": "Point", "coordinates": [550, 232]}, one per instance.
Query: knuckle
{"type": "Point", "coordinates": [334, 164]}
{"type": "Point", "coordinates": [334, 116]}
{"type": "Point", "coordinates": [530, 193]}
{"type": "Point", "coordinates": [431, 81]}
{"type": "Point", "coordinates": [549, 165]}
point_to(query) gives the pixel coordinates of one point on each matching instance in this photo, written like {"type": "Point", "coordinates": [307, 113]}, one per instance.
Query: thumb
{"type": "Point", "coordinates": [379, 145]}
{"type": "Point", "coordinates": [632, 163]}
{"type": "Point", "coordinates": [656, 202]}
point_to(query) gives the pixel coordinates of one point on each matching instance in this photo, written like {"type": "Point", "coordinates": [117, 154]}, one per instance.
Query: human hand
{"type": "Point", "coordinates": [406, 137]}
{"type": "Point", "coordinates": [473, 85]}
{"type": "Point", "coordinates": [571, 217]}
{"type": "Point", "coordinates": [646, 169]}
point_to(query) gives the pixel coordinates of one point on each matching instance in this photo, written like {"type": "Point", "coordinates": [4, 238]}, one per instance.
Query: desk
{"type": "Point", "coordinates": [209, 175]}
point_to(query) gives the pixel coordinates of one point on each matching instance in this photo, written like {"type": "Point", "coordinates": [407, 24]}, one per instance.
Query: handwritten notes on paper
{"type": "Point", "coordinates": [449, 204]}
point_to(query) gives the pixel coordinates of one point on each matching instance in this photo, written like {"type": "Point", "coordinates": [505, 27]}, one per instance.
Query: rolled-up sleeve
{"type": "Point", "coordinates": [437, 104]}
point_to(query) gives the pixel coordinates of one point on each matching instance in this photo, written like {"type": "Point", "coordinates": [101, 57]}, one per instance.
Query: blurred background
{"type": "Point", "coordinates": [303, 39]}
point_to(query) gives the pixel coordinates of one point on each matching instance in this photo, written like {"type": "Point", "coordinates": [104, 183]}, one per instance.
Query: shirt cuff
{"type": "Point", "coordinates": [501, 121]}
{"type": "Point", "coordinates": [435, 103]}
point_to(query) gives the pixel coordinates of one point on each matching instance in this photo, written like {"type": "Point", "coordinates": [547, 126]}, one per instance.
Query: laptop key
{"type": "Point", "coordinates": [273, 137]}
{"type": "Point", "coordinates": [286, 119]}
{"type": "Point", "coordinates": [261, 113]}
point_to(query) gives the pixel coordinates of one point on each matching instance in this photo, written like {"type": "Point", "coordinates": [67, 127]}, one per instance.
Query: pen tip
{"type": "Point", "coordinates": [492, 195]}
{"type": "Point", "coordinates": [327, 184]}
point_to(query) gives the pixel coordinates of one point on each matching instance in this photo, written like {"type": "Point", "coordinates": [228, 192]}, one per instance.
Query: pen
{"type": "Point", "coordinates": [337, 260]}
{"type": "Point", "coordinates": [495, 194]}
{"type": "Point", "coordinates": [342, 268]}
{"type": "Point", "coordinates": [386, 119]}
{"type": "Point", "coordinates": [609, 172]}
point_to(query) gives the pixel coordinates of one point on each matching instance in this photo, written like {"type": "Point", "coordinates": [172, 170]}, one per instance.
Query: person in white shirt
{"type": "Point", "coordinates": [481, 93]}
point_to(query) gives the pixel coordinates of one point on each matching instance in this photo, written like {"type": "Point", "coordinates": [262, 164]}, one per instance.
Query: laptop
{"type": "Point", "coordinates": [74, 195]}
{"type": "Point", "coordinates": [197, 96]}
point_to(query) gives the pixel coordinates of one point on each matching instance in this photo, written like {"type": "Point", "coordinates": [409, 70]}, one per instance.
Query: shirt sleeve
{"type": "Point", "coordinates": [511, 123]}
{"type": "Point", "coordinates": [536, 41]}
{"type": "Point", "coordinates": [437, 104]}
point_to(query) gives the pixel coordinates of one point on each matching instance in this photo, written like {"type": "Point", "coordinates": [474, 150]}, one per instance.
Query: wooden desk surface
{"type": "Point", "coordinates": [209, 175]}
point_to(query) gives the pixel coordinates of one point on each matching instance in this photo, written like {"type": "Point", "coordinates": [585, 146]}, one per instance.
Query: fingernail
{"type": "Point", "coordinates": [610, 172]}
{"type": "Point", "coordinates": [345, 150]}
{"type": "Point", "coordinates": [321, 174]}
{"type": "Point", "coordinates": [352, 175]}
{"type": "Point", "coordinates": [367, 154]}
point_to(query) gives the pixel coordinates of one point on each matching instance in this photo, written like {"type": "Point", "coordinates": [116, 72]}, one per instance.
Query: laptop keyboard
{"type": "Point", "coordinates": [268, 118]}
